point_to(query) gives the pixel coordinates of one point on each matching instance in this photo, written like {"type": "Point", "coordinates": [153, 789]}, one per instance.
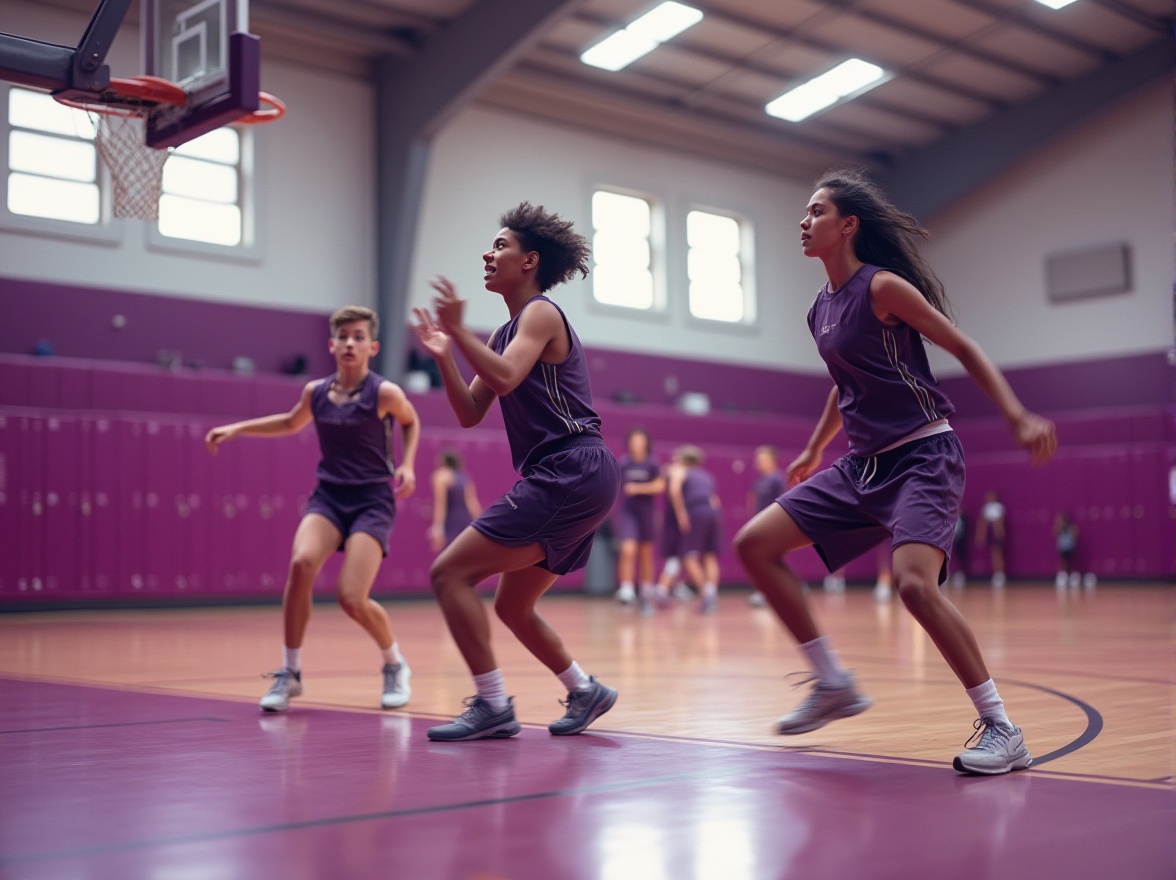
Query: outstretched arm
{"type": "Point", "coordinates": [265, 426]}
{"type": "Point", "coordinates": [394, 402]}
{"type": "Point", "coordinates": [810, 457]}
{"type": "Point", "coordinates": [892, 296]}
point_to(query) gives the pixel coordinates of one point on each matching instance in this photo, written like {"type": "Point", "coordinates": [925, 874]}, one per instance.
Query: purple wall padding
{"type": "Point", "coordinates": [77, 322]}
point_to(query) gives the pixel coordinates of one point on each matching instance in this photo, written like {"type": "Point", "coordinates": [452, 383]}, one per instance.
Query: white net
{"type": "Point", "coordinates": [136, 170]}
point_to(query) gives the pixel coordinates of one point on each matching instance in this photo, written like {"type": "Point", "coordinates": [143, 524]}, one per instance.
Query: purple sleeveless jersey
{"type": "Point", "coordinates": [355, 442]}
{"type": "Point", "coordinates": [553, 402]}
{"type": "Point", "coordinates": [767, 488]}
{"type": "Point", "coordinates": [886, 389]}
{"type": "Point", "coordinates": [457, 515]}
{"type": "Point", "coordinates": [697, 488]}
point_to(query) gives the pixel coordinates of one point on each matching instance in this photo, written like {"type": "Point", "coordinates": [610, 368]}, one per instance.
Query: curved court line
{"type": "Point", "coordinates": [1094, 722]}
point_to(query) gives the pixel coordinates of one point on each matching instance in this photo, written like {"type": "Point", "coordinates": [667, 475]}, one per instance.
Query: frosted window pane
{"type": "Point", "coordinates": [56, 199]}
{"type": "Point", "coordinates": [716, 302]}
{"type": "Point", "coordinates": [623, 287]}
{"type": "Point", "coordinates": [39, 111]}
{"type": "Point", "coordinates": [197, 220]}
{"type": "Point", "coordinates": [219, 145]}
{"type": "Point", "coordinates": [620, 251]}
{"type": "Point", "coordinates": [713, 268]}
{"type": "Point", "coordinates": [712, 232]}
{"type": "Point", "coordinates": [52, 156]}
{"type": "Point", "coordinates": [624, 215]}
{"type": "Point", "coordinates": [200, 180]}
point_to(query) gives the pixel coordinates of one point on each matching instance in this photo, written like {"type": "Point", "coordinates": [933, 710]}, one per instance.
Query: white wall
{"type": "Point", "coordinates": [1108, 181]}
{"type": "Point", "coordinates": [315, 199]}
{"type": "Point", "coordinates": [487, 161]}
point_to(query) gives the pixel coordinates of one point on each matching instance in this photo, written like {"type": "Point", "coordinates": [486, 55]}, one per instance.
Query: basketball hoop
{"type": "Point", "coordinates": [120, 116]}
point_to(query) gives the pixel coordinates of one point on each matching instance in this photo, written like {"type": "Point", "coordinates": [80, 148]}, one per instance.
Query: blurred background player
{"type": "Point", "coordinates": [959, 553]}
{"type": "Point", "coordinates": [769, 485]}
{"type": "Point", "coordinates": [670, 581]}
{"type": "Point", "coordinates": [455, 500]}
{"type": "Point", "coordinates": [1066, 539]}
{"type": "Point", "coordinates": [696, 508]}
{"type": "Point", "coordinates": [353, 507]}
{"type": "Point", "coordinates": [990, 533]}
{"type": "Point", "coordinates": [641, 480]}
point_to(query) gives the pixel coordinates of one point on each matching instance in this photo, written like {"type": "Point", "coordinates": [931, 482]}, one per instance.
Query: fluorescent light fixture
{"type": "Point", "coordinates": [1055, 4]}
{"type": "Point", "coordinates": [642, 36]}
{"type": "Point", "coordinates": [846, 79]}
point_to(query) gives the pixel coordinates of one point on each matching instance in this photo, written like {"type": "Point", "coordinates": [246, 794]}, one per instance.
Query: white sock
{"type": "Point", "coordinates": [492, 689]}
{"type": "Point", "coordinates": [627, 587]}
{"type": "Point", "coordinates": [574, 678]}
{"type": "Point", "coordinates": [709, 589]}
{"type": "Point", "coordinates": [292, 659]}
{"type": "Point", "coordinates": [988, 702]}
{"type": "Point", "coordinates": [392, 653]}
{"type": "Point", "coordinates": [824, 662]}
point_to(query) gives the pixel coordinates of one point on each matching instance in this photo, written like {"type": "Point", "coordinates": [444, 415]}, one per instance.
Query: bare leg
{"type": "Point", "coordinates": [916, 574]}
{"type": "Point", "coordinates": [627, 561]}
{"type": "Point", "coordinates": [693, 569]}
{"type": "Point", "coordinates": [361, 561]}
{"type": "Point", "coordinates": [518, 591]}
{"type": "Point", "coordinates": [645, 561]}
{"type": "Point", "coordinates": [761, 544]}
{"type": "Point", "coordinates": [314, 541]}
{"type": "Point", "coordinates": [710, 568]}
{"type": "Point", "coordinates": [470, 559]}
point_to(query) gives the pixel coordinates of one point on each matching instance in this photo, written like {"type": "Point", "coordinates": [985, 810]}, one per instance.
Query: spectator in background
{"type": "Point", "coordinates": [959, 552]}
{"type": "Point", "coordinates": [455, 500]}
{"type": "Point", "coordinates": [990, 533]}
{"type": "Point", "coordinates": [641, 480]}
{"type": "Point", "coordinates": [1066, 537]}
{"type": "Point", "coordinates": [769, 485]}
{"type": "Point", "coordinates": [696, 506]}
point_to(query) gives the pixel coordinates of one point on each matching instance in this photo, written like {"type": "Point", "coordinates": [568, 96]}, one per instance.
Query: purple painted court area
{"type": "Point", "coordinates": [109, 784]}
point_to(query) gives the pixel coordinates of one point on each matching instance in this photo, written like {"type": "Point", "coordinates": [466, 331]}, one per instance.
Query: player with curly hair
{"type": "Point", "coordinates": [544, 526]}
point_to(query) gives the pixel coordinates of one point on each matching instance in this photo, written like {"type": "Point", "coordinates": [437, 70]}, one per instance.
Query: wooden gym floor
{"type": "Point", "coordinates": [132, 746]}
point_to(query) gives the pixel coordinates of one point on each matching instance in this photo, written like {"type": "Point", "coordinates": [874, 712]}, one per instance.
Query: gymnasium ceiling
{"type": "Point", "coordinates": [953, 64]}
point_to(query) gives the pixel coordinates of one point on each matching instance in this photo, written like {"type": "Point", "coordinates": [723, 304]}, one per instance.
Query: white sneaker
{"type": "Point", "coordinates": [1075, 580]}
{"type": "Point", "coordinates": [1001, 748]}
{"type": "Point", "coordinates": [396, 688]}
{"type": "Point", "coordinates": [998, 580]}
{"type": "Point", "coordinates": [1060, 580]}
{"type": "Point", "coordinates": [287, 685]}
{"type": "Point", "coordinates": [824, 703]}
{"type": "Point", "coordinates": [881, 592]}
{"type": "Point", "coordinates": [682, 592]}
{"type": "Point", "coordinates": [756, 599]}
{"type": "Point", "coordinates": [626, 595]}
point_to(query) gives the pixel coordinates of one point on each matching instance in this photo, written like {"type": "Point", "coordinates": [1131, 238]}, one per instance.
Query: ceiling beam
{"type": "Point", "coordinates": [926, 181]}
{"type": "Point", "coordinates": [414, 99]}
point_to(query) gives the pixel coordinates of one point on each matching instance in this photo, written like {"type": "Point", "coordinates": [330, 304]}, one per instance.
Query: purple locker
{"type": "Point", "coordinates": [98, 559]}
{"type": "Point", "coordinates": [9, 503]}
{"type": "Point", "coordinates": [14, 383]}
{"type": "Point", "coordinates": [1145, 507]}
{"type": "Point", "coordinates": [30, 494]}
{"type": "Point", "coordinates": [213, 519]}
{"type": "Point", "coordinates": [64, 475]}
{"type": "Point", "coordinates": [263, 551]}
{"type": "Point", "coordinates": [130, 507]}
{"type": "Point", "coordinates": [166, 505]}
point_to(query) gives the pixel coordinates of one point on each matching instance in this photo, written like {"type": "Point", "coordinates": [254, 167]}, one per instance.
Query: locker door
{"type": "Point", "coordinates": [100, 512]}
{"type": "Point", "coordinates": [213, 526]}
{"type": "Point", "coordinates": [166, 501]}
{"type": "Point", "coordinates": [30, 493]}
{"type": "Point", "coordinates": [9, 504]}
{"type": "Point", "coordinates": [64, 474]}
{"type": "Point", "coordinates": [130, 507]}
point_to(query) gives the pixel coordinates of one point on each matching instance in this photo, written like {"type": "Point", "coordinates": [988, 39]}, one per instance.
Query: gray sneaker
{"type": "Point", "coordinates": [1000, 748]}
{"type": "Point", "coordinates": [287, 684]}
{"type": "Point", "coordinates": [584, 707]}
{"type": "Point", "coordinates": [396, 688]}
{"type": "Point", "coordinates": [478, 721]}
{"type": "Point", "coordinates": [824, 704]}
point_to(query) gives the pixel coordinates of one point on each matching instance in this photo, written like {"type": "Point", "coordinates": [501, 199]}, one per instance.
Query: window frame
{"type": "Point", "coordinates": [747, 264]}
{"type": "Point", "coordinates": [659, 310]}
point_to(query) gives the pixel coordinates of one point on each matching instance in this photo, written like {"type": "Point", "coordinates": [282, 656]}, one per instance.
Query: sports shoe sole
{"type": "Point", "coordinates": [599, 708]}
{"type": "Point", "coordinates": [498, 731]}
{"type": "Point", "coordinates": [855, 708]}
{"type": "Point", "coordinates": [1018, 764]}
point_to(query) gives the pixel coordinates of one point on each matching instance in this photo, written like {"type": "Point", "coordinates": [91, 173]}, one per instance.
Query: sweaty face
{"type": "Point", "coordinates": [505, 262]}
{"type": "Point", "coordinates": [353, 344]}
{"type": "Point", "coordinates": [823, 228]}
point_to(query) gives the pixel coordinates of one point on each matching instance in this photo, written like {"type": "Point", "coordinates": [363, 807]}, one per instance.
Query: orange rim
{"type": "Point", "coordinates": [272, 110]}
{"type": "Point", "coordinates": [148, 91]}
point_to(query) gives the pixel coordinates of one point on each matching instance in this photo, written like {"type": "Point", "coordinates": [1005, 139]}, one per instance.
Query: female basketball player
{"type": "Point", "coordinates": [544, 526]}
{"type": "Point", "coordinates": [769, 485]}
{"type": "Point", "coordinates": [455, 500]}
{"type": "Point", "coordinates": [353, 507]}
{"type": "Point", "coordinates": [641, 480]}
{"type": "Point", "coordinates": [904, 475]}
{"type": "Point", "coordinates": [695, 506]}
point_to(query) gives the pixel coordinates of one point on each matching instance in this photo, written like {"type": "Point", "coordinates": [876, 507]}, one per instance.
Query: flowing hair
{"type": "Point", "coordinates": [886, 236]}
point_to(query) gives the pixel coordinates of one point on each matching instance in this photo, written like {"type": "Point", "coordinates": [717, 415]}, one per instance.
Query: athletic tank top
{"type": "Point", "coordinates": [767, 488]}
{"type": "Point", "coordinates": [697, 488]}
{"type": "Point", "coordinates": [638, 472]}
{"type": "Point", "coordinates": [355, 442]}
{"type": "Point", "coordinates": [885, 386]}
{"type": "Point", "coordinates": [552, 404]}
{"type": "Point", "coordinates": [457, 515]}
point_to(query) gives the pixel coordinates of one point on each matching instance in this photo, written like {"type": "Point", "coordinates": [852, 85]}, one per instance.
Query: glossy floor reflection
{"type": "Point", "coordinates": [105, 783]}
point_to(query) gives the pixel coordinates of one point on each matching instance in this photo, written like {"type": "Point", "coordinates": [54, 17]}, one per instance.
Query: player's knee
{"type": "Point", "coordinates": [352, 602]}
{"type": "Point", "coordinates": [303, 567]}
{"type": "Point", "coordinates": [751, 547]}
{"type": "Point", "coordinates": [511, 614]}
{"type": "Point", "coordinates": [440, 577]}
{"type": "Point", "coordinates": [917, 591]}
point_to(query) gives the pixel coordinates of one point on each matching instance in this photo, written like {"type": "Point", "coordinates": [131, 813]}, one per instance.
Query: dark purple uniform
{"type": "Point", "coordinates": [767, 488]}
{"type": "Point", "coordinates": [570, 478]}
{"type": "Point", "coordinates": [457, 514]}
{"type": "Point", "coordinates": [909, 491]}
{"type": "Point", "coordinates": [697, 490]}
{"type": "Point", "coordinates": [353, 490]}
{"type": "Point", "coordinates": [634, 518]}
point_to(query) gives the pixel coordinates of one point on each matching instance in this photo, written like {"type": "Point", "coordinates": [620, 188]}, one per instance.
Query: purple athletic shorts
{"type": "Point", "coordinates": [910, 494]}
{"type": "Point", "coordinates": [634, 520]}
{"type": "Point", "coordinates": [558, 504]}
{"type": "Point", "coordinates": [671, 535]}
{"type": "Point", "coordinates": [704, 534]}
{"type": "Point", "coordinates": [368, 508]}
